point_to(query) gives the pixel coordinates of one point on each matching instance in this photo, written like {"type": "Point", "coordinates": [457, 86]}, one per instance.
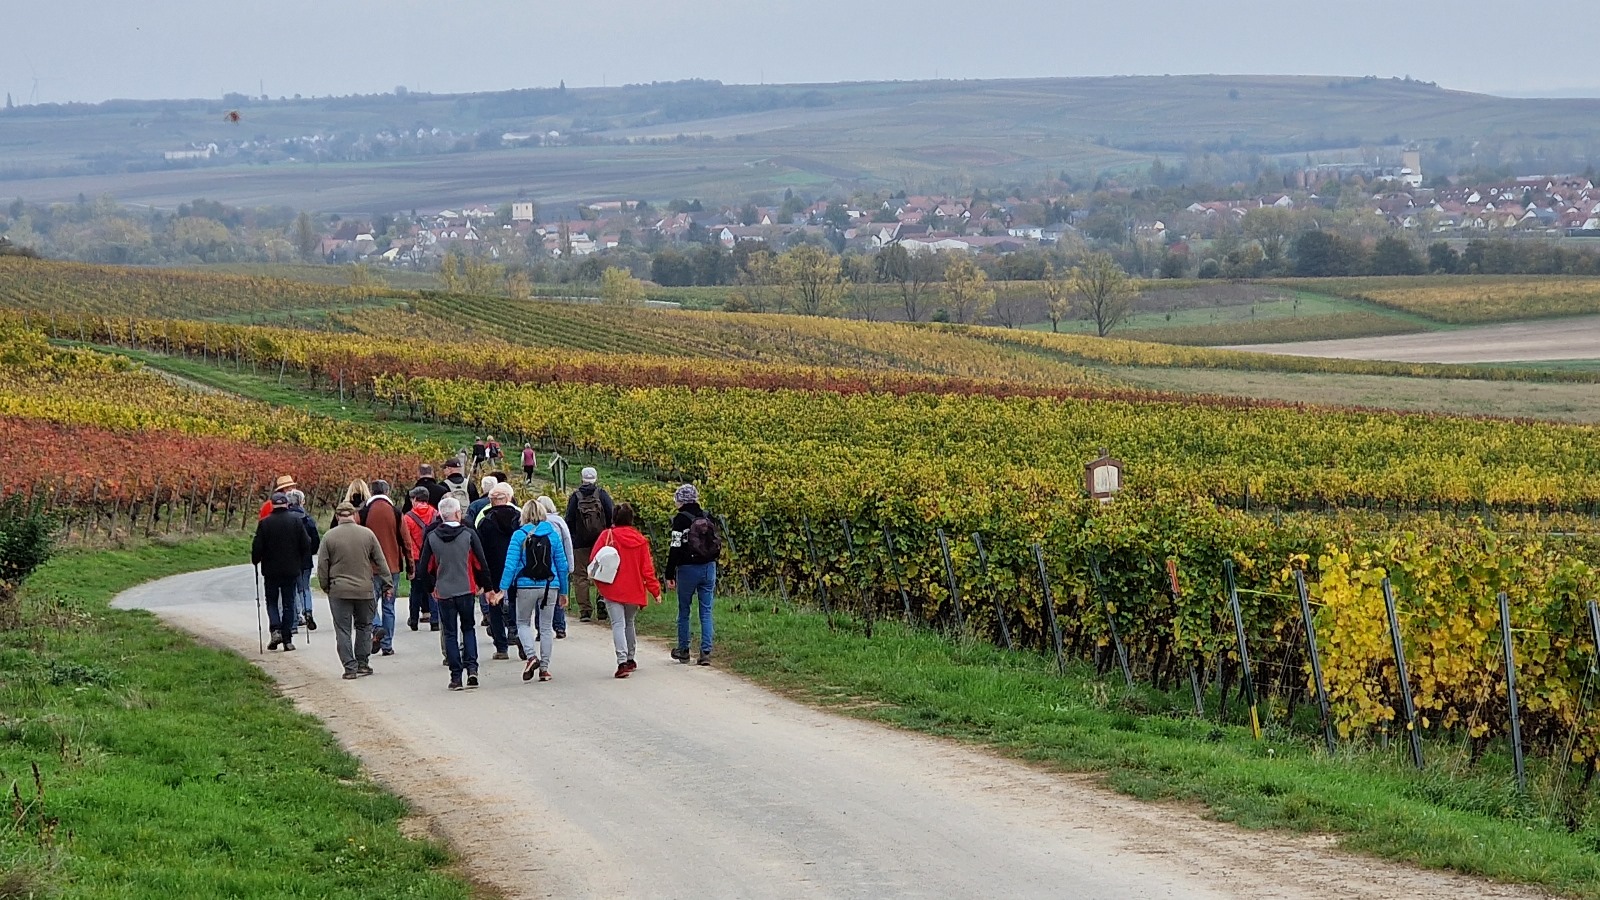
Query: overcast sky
{"type": "Point", "coordinates": [90, 50]}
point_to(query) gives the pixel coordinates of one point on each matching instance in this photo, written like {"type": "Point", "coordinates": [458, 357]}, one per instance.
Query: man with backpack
{"type": "Point", "coordinates": [692, 569]}
{"type": "Point", "coordinates": [536, 567]}
{"type": "Point", "coordinates": [589, 512]}
{"type": "Point", "coordinates": [380, 516]}
{"type": "Point", "coordinates": [453, 557]}
{"type": "Point", "coordinates": [457, 484]}
{"type": "Point", "coordinates": [416, 521]}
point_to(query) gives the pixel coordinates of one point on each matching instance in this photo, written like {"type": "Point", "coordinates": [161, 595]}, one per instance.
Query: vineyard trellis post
{"type": "Point", "coordinates": [1511, 692]}
{"type": "Point", "coordinates": [1111, 622]}
{"type": "Point", "coordinates": [950, 578]}
{"type": "Point", "coordinates": [1194, 673]}
{"type": "Point", "coordinates": [816, 571]}
{"type": "Point", "coordinates": [733, 553]}
{"type": "Point", "coordinates": [861, 580]}
{"type": "Point", "coordinates": [1409, 707]}
{"type": "Point", "coordinates": [772, 552]}
{"type": "Point", "coordinates": [1247, 681]}
{"type": "Point", "coordinates": [1323, 709]}
{"type": "Point", "coordinates": [1050, 608]}
{"type": "Point", "coordinates": [899, 576]}
{"type": "Point", "coordinates": [999, 602]}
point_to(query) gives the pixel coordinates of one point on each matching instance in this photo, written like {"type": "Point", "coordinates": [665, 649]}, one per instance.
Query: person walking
{"type": "Point", "coordinates": [453, 557]}
{"type": "Point", "coordinates": [548, 507]}
{"type": "Point", "coordinates": [495, 526]}
{"type": "Point", "coordinates": [303, 612]}
{"type": "Point", "coordinates": [356, 494]}
{"type": "Point", "coordinates": [380, 516]}
{"type": "Point", "coordinates": [425, 480]}
{"type": "Point", "coordinates": [589, 512]}
{"type": "Point", "coordinates": [692, 569]}
{"type": "Point", "coordinates": [349, 562]}
{"type": "Point", "coordinates": [278, 549]}
{"type": "Point", "coordinates": [536, 569]}
{"type": "Point", "coordinates": [631, 587]}
{"type": "Point", "coordinates": [456, 484]}
{"type": "Point", "coordinates": [485, 484]}
{"type": "Point", "coordinates": [416, 520]}
{"type": "Point", "coordinates": [285, 483]}
{"type": "Point", "coordinates": [530, 461]}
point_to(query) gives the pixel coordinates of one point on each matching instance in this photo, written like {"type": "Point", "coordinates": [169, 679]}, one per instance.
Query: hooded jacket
{"type": "Point", "coordinates": [511, 576]}
{"type": "Point", "coordinates": [636, 579]}
{"type": "Point", "coordinates": [495, 528]}
{"type": "Point", "coordinates": [415, 533]}
{"type": "Point", "coordinates": [453, 558]}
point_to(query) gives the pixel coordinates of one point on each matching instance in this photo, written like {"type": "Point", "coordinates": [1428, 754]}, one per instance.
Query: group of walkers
{"type": "Point", "coordinates": [473, 558]}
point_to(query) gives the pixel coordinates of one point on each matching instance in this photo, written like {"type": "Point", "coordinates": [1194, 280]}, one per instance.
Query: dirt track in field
{"type": "Point", "coordinates": [689, 782]}
{"type": "Point", "coordinates": [1548, 339]}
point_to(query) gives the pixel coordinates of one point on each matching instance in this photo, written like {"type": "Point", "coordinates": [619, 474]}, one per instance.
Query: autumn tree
{"type": "Point", "coordinates": [1058, 295]}
{"type": "Point", "coordinates": [479, 276]}
{"type": "Point", "coordinates": [618, 287]}
{"type": "Point", "coordinates": [911, 275]}
{"type": "Point", "coordinates": [811, 278]}
{"type": "Point", "coordinates": [450, 271]}
{"type": "Point", "coordinates": [760, 282]}
{"type": "Point", "coordinates": [1104, 293]}
{"type": "Point", "coordinates": [966, 289]}
{"type": "Point", "coordinates": [306, 238]}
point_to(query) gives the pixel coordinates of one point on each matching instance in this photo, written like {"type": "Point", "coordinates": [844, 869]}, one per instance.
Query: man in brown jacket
{"type": "Point", "coordinates": [382, 517]}
{"type": "Point", "coordinates": [348, 562]}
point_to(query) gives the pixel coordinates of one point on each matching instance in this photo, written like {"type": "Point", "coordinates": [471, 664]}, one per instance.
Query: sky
{"type": "Point", "coordinates": [92, 50]}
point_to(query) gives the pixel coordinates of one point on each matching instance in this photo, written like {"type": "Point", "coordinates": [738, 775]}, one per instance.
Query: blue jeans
{"type": "Point", "coordinates": [280, 604]}
{"type": "Point", "coordinates": [696, 582]}
{"type": "Point", "coordinates": [302, 599]}
{"type": "Point", "coordinates": [459, 632]}
{"type": "Point", "coordinates": [383, 613]}
{"type": "Point", "coordinates": [560, 621]}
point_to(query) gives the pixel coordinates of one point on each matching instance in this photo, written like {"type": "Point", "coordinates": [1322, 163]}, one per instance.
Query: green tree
{"type": "Point", "coordinates": [305, 237]}
{"type": "Point", "coordinates": [618, 287]}
{"type": "Point", "coordinates": [1104, 292]}
{"type": "Point", "coordinates": [450, 271]}
{"type": "Point", "coordinates": [760, 282]}
{"type": "Point", "coordinates": [911, 275]}
{"type": "Point", "coordinates": [1057, 285]}
{"type": "Point", "coordinates": [1391, 255]}
{"type": "Point", "coordinates": [966, 289]}
{"type": "Point", "coordinates": [479, 276]}
{"type": "Point", "coordinates": [811, 277]}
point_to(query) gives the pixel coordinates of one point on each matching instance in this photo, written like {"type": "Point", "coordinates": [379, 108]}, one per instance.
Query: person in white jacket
{"type": "Point", "coordinates": [548, 507]}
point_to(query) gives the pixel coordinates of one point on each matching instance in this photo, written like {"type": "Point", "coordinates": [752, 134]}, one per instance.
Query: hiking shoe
{"type": "Point", "coordinates": [632, 665]}
{"type": "Point", "coordinates": [472, 680]}
{"type": "Point", "coordinates": [560, 635]}
{"type": "Point", "coordinates": [531, 669]}
{"type": "Point", "coordinates": [311, 623]}
{"type": "Point", "coordinates": [455, 684]}
{"type": "Point", "coordinates": [412, 623]}
{"type": "Point", "coordinates": [288, 645]}
{"type": "Point", "coordinates": [585, 618]}
{"type": "Point", "coordinates": [276, 640]}
{"type": "Point", "coordinates": [681, 654]}
{"type": "Point", "coordinates": [433, 626]}
{"type": "Point", "coordinates": [705, 659]}
{"type": "Point", "coordinates": [387, 651]}
{"type": "Point", "coordinates": [363, 670]}
{"type": "Point", "coordinates": [601, 614]}
{"type": "Point", "coordinates": [623, 671]}
{"type": "Point", "coordinates": [351, 676]}
{"type": "Point", "coordinates": [483, 622]}
{"type": "Point", "coordinates": [544, 674]}
{"type": "Point", "coordinates": [501, 654]}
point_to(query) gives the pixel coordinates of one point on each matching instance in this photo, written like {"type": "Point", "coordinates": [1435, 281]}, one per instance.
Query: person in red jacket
{"type": "Point", "coordinates": [416, 521]}
{"type": "Point", "coordinates": [631, 588]}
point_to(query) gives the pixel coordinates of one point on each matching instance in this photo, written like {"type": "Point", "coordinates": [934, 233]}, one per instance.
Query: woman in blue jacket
{"type": "Point", "coordinates": [537, 597]}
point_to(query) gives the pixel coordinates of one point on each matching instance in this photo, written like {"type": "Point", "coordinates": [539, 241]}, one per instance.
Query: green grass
{"type": "Point", "coordinates": [1147, 744]}
{"type": "Point", "coordinates": [169, 769]}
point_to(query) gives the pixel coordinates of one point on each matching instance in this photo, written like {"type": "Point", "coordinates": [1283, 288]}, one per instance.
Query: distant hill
{"type": "Point", "coordinates": [707, 139]}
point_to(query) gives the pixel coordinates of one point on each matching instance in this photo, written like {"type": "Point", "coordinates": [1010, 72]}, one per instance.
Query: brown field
{"type": "Point", "coordinates": [1555, 339]}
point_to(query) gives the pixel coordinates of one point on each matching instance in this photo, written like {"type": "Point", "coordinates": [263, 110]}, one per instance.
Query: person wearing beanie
{"type": "Point", "coordinates": [589, 512]}
{"type": "Point", "coordinates": [349, 562]}
{"type": "Point", "coordinates": [278, 549]}
{"type": "Point", "coordinates": [692, 569]}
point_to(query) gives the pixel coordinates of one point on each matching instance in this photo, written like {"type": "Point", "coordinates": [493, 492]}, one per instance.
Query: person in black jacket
{"type": "Point", "coordinates": [692, 571]}
{"type": "Point", "coordinates": [279, 549]}
{"type": "Point", "coordinates": [496, 525]}
{"type": "Point", "coordinates": [425, 479]}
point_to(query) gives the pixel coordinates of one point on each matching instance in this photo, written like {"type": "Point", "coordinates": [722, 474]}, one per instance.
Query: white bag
{"type": "Point", "coordinates": [604, 563]}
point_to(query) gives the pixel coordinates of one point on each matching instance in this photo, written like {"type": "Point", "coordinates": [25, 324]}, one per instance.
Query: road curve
{"type": "Point", "coordinates": [689, 782]}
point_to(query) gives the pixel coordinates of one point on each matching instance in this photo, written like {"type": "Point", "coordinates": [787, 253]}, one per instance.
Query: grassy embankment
{"type": "Point", "coordinates": [1150, 745]}
{"type": "Point", "coordinates": [168, 769]}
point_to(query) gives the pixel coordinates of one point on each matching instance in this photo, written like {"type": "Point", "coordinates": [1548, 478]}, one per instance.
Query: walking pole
{"type": "Point", "coordinates": [261, 638]}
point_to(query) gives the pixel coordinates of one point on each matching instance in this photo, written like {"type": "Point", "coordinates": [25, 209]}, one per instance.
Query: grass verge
{"type": "Point", "coordinates": [1145, 744]}
{"type": "Point", "coordinates": [167, 769]}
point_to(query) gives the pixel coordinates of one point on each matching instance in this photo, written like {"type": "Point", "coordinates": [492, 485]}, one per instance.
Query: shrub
{"type": "Point", "coordinates": [27, 537]}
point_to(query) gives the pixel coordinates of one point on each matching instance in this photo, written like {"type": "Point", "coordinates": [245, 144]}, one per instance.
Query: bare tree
{"type": "Point", "coordinates": [911, 274]}
{"type": "Point", "coordinates": [1104, 292]}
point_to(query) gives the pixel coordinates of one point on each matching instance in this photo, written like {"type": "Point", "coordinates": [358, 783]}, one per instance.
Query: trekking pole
{"type": "Point", "coordinates": [261, 638]}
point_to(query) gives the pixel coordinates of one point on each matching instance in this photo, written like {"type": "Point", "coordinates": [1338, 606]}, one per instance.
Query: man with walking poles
{"type": "Point", "coordinates": [278, 552]}
{"type": "Point", "coordinates": [348, 562]}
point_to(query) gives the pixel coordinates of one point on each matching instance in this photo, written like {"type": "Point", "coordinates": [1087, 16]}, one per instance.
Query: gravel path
{"type": "Point", "coordinates": [1547, 339]}
{"type": "Point", "coordinates": [689, 782]}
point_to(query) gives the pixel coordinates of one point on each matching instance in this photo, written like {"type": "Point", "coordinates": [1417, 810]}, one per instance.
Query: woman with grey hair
{"type": "Point", "coordinates": [548, 507]}
{"type": "Point", "coordinates": [302, 588]}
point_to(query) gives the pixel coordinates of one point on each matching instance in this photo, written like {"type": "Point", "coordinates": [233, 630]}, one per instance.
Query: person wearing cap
{"type": "Point", "coordinates": [279, 548]}
{"type": "Point", "coordinates": [692, 573]}
{"type": "Point", "coordinates": [589, 512]}
{"type": "Point", "coordinates": [416, 521]}
{"type": "Point", "coordinates": [455, 480]}
{"type": "Point", "coordinates": [349, 562]}
{"type": "Point", "coordinates": [285, 484]}
{"type": "Point", "coordinates": [426, 481]}
{"type": "Point", "coordinates": [382, 518]}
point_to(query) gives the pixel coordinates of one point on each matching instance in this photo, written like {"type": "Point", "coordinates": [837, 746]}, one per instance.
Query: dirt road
{"type": "Point", "coordinates": [688, 782]}
{"type": "Point", "coordinates": [1574, 338]}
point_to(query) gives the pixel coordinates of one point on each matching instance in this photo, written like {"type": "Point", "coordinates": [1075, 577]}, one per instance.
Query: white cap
{"type": "Point", "coordinates": [590, 476]}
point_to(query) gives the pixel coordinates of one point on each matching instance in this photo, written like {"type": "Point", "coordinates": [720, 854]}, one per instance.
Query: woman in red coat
{"type": "Point", "coordinates": [632, 586]}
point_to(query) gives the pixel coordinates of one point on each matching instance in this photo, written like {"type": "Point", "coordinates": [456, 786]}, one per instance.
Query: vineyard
{"type": "Point", "coordinates": [1470, 299]}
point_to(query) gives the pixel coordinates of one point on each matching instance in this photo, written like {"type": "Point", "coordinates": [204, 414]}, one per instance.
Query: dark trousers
{"type": "Point", "coordinates": [280, 604]}
{"type": "Point", "coordinates": [498, 620]}
{"type": "Point", "coordinates": [459, 619]}
{"type": "Point", "coordinates": [420, 600]}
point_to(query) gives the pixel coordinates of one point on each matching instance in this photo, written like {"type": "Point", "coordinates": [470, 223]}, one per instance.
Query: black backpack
{"type": "Point", "coordinates": [703, 540]}
{"type": "Point", "coordinates": [538, 558]}
{"type": "Point", "coordinates": [591, 516]}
